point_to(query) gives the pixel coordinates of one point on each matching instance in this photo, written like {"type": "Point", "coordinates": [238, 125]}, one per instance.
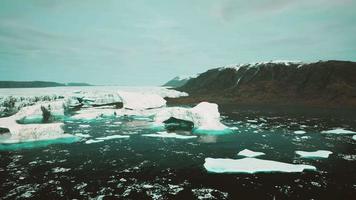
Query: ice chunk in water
{"type": "Point", "coordinates": [91, 141]}
{"type": "Point", "coordinates": [251, 165]}
{"type": "Point", "coordinates": [339, 131]}
{"type": "Point", "coordinates": [112, 137]}
{"type": "Point", "coordinates": [300, 132]}
{"type": "Point", "coordinates": [314, 154]}
{"type": "Point", "coordinates": [249, 153]}
{"type": "Point", "coordinates": [205, 116]}
{"type": "Point", "coordinates": [165, 134]}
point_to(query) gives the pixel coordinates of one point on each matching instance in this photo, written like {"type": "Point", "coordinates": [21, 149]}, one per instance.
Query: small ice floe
{"type": "Point", "coordinates": [339, 131]}
{"type": "Point", "coordinates": [251, 165]}
{"type": "Point", "coordinates": [102, 139]}
{"type": "Point", "coordinates": [354, 137]}
{"type": "Point", "coordinates": [112, 137]}
{"type": "Point", "coordinates": [165, 134]}
{"type": "Point", "coordinates": [84, 125]}
{"type": "Point", "coordinates": [60, 169]}
{"type": "Point", "coordinates": [83, 135]}
{"type": "Point", "coordinates": [234, 128]}
{"type": "Point", "coordinates": [314, 154]}
{"type": "Point", "coordinates": [252, 121]}
{"type": "Point", "coordinates": [249, 153]}
{"type": "Point", "coordinates": [300, 132]}
{"type": "Point", "coordinates": [91, 141]}
{"type": "Point", "coordinates": [305, 137]}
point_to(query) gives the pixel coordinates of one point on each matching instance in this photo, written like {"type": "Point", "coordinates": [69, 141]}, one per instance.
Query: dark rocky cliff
{"type": "Point", "coordinates": [321, 83]}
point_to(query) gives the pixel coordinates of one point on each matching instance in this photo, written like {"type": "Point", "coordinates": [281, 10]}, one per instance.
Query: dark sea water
{"type": "Point", "coordinates": [169, 168]}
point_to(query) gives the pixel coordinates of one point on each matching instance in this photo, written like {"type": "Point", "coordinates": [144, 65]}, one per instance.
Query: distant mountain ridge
{"type": "Point", "coordinates": [37, 84]}
{"type": "Point", "coordinates": [178, 81]}
{"type": "Point", "coordinates": [277, 82]}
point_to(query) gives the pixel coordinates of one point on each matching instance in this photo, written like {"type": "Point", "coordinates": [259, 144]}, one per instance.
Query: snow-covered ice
{"type": "Point", "coordinates": [251, 165]}
{"type": "Point", "coordinates": [33, 132]}
{"type": "Point", "coordinates": [165, 134]}
{"type": "Point", "coordinates": [205, 116]}
{"type": "Point", "coordinates": [138, 101]}
{"type": "Point", "coordinates": [105, 99]}
{"type": "Point", "coordinates": [339, 131]}
{"type": "Point", "coordinates": [249, 153]}
{"type": "Point", "coordinates": [314, 154]}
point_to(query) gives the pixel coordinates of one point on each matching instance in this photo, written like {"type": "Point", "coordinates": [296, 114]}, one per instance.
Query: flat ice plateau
{"type": "Point", "coordinates": [251, 166]}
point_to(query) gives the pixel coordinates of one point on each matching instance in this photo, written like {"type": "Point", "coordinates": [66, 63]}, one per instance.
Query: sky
{"type": "Point", "coordinates": [140, 42]}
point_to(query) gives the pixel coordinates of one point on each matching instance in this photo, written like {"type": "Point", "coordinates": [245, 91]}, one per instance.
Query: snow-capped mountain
{"type": "Point", "coordinates": [178, 81]}
{"type": "Point", "coordinates": [278, 82]}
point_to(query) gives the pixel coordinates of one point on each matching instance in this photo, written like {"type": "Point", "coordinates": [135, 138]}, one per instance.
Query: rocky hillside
{"type": "Point", "coordinates": [277, 83]}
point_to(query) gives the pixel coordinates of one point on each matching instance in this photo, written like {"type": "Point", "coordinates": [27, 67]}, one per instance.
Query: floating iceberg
{"type": "Point", "coordinates": [137, 101]}
{"type": "Point", "coordinates": [33, 132]}
{"type": "Point", "coordinates": [339, 131]}
{"type": "Point", "coordinates": [249, 153]}
{"type": "Point", "coordinates": [300, 132]}
{"type": "Point", "coordinates": [314, 154]}
{"type": "Point", "coordinates": [165, 134]}
{"type": "Point", "coordinates": [205, 116]}
{"type": "Point", "coordinates": [251, 165]}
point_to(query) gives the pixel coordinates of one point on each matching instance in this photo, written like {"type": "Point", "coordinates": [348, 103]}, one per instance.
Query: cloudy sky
{"type": "Point", "coordinates": [140, 42]}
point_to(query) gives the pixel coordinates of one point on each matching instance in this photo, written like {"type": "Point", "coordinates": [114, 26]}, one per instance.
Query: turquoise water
{"type": "Point", "coordinates": [37, 144]}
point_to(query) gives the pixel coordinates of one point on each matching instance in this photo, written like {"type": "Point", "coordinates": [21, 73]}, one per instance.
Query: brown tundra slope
{"type": "Point", "coordinates": [323, 83]}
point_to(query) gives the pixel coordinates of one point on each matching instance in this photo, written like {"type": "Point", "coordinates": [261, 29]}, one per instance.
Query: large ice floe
{"type": "Point", "coordinates": [251, 166]}
{"type": "Point", "coordinates": [33, 132]}
{"type": "Point", "coordinates": [339, 131]}
{"type": "Point", "coordinates": [314, 154]}
{"type": "Point", "coordinates": [205, 116]}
